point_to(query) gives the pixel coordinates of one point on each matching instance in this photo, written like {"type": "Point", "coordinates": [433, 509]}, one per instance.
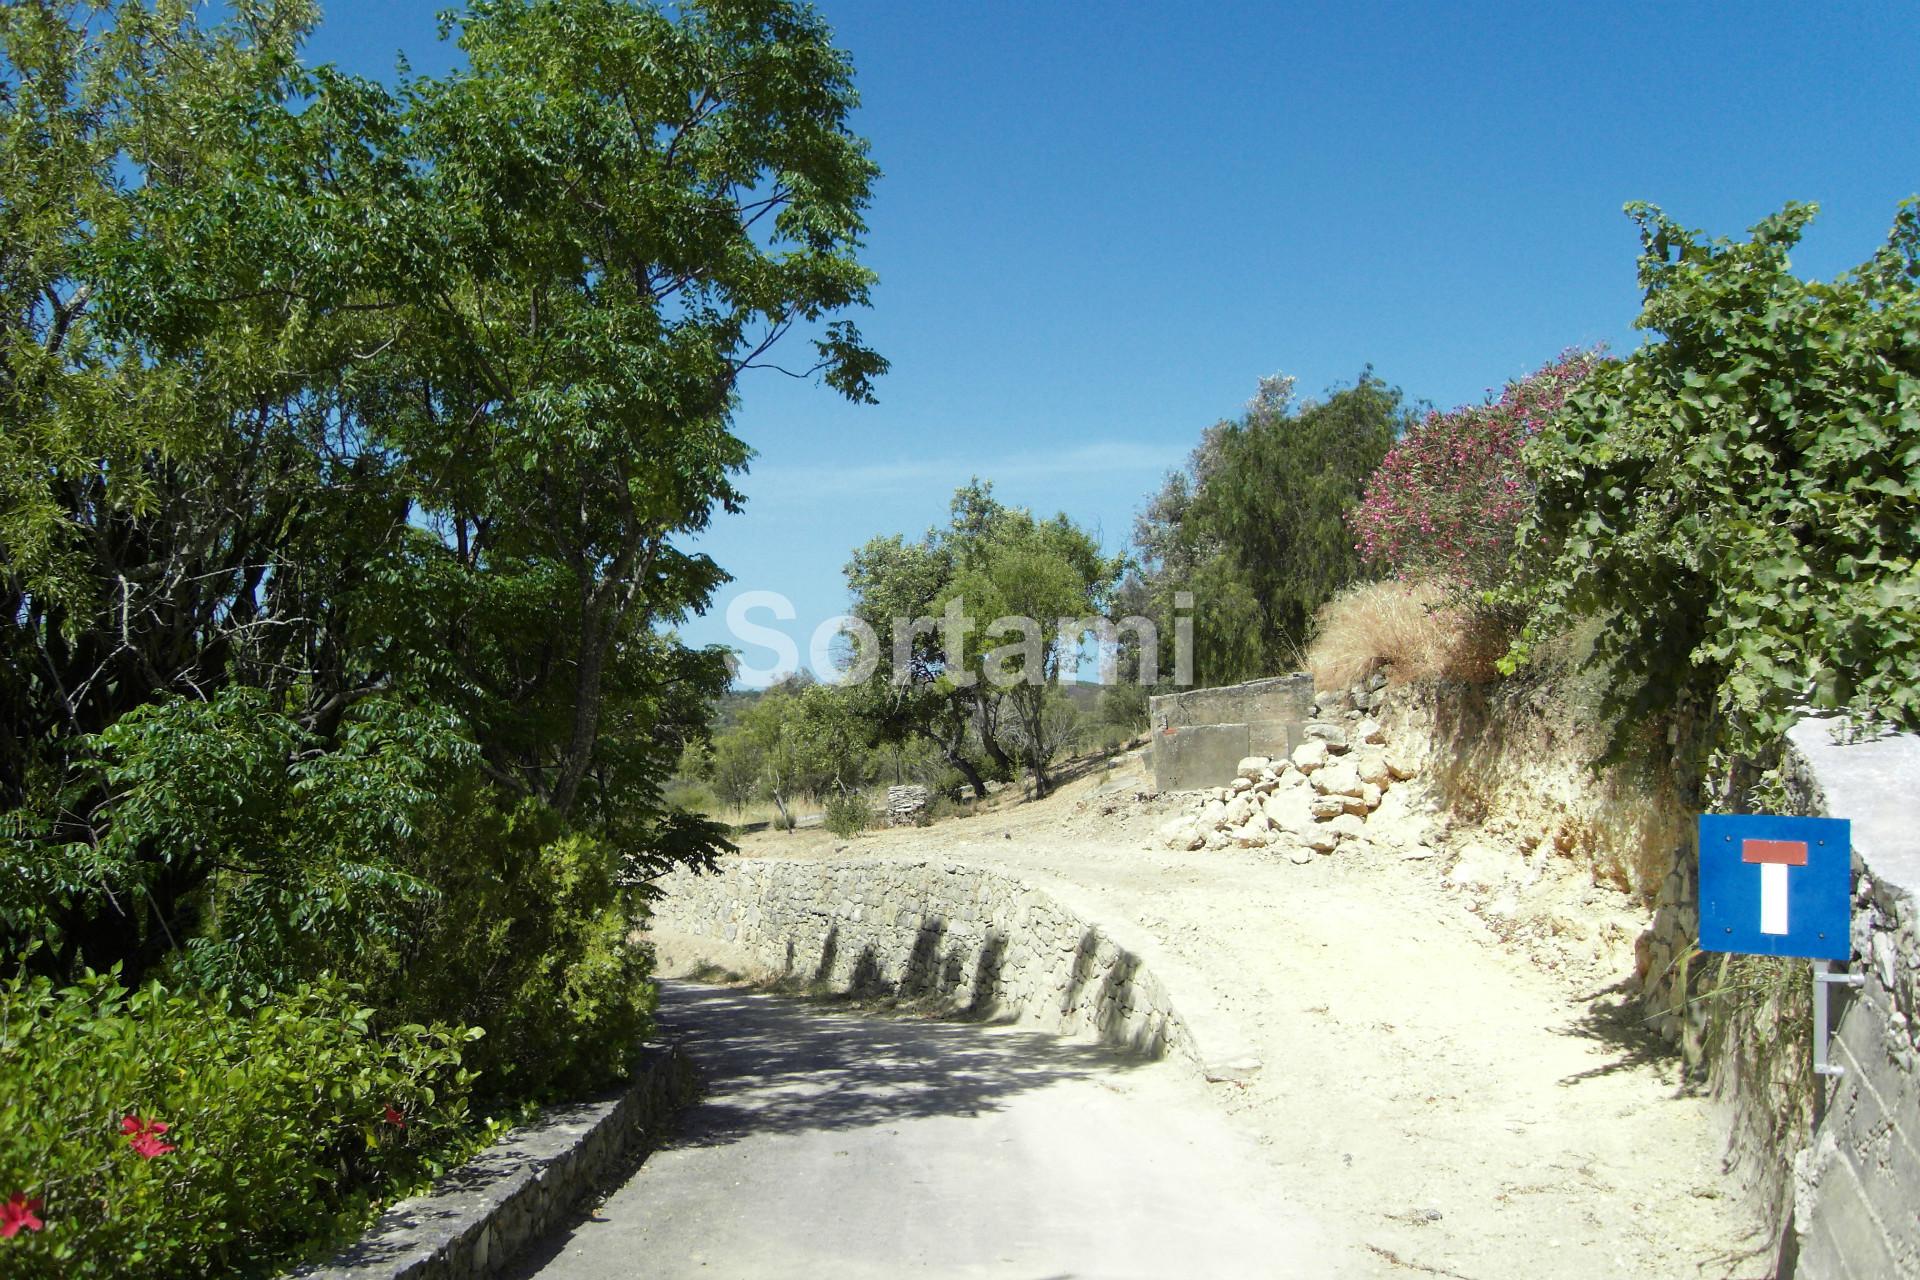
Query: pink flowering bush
{"type": "Point", "coordinates": [1447, 499]}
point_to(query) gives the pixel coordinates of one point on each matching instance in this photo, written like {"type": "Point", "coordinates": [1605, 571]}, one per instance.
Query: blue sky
{"type": "Point", "coordinates": [1101, 224]}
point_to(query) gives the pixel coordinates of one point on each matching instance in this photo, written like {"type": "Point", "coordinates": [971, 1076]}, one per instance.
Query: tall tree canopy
{"type": "Point", "coordinates": [1255, 529]}
{"type": "Point", "coordinates": [990, 561]}
{"type": "Point", "coordinates": [1738, 502]}
{"type": "Point", "coordinates": [351, 433]}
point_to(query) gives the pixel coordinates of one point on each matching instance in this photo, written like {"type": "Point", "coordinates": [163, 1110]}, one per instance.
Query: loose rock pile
{"type": "Point", "coordinates": [1311, 802]}
{"type": "Point", "coordinates": [906, 805]}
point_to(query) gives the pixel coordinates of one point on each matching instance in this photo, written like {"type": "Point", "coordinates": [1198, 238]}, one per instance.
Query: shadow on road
{"type": "Point", "coordinates": [777, 1065]}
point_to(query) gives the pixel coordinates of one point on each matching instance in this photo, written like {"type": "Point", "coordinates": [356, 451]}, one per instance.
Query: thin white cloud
{"type": "Point", "coordinates": [814, 482]}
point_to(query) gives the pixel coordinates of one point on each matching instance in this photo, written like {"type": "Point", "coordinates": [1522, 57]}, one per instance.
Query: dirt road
{"type": "Point", "coordinates": [1436, 1099]}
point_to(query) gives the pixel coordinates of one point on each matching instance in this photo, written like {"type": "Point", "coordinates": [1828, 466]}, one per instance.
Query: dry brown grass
{"type": "Point", "coordinates": [1409, 628]}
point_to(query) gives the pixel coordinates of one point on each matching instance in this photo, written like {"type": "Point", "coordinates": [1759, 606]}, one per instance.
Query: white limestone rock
{"type": "Point", "coordinates": [1309, 756]}
{"type": "Point", "coordinates": [1335, 736]}
{"type": "Point", "coordinates": [1347, 827]}
{"type": "Point", "coordinates": [1339, 778]}
{"type": "Point", "coordinates": [1181, 835]}
{"type": "Point", "coordinates": [1251, 767]}
{"type": "Point", "coordinates": [1483, 867]}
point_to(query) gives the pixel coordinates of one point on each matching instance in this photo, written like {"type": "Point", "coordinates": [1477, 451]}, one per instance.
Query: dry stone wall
{"type": "Point", "coordinates": [1312, 801]}
{"type": "Point", "coordinates": [959, 939]}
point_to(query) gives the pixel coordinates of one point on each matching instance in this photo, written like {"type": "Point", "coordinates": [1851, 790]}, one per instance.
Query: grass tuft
{"type": "Point", "coordinates": [1414, 629]}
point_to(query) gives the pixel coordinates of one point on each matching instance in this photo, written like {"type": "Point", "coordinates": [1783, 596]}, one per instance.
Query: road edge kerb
{"type": "Point", "coordinates": [533, 1180]}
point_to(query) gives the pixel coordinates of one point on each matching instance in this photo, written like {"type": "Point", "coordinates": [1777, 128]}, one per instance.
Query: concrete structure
{"type": "Point", "coordinates": [956, 939]}
{"type": "Point", "coordinates": [1200, 736]}
{"type": "Point", "coordinates": [1856, 1209]}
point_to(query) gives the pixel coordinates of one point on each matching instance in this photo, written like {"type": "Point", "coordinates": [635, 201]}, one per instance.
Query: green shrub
{"type": "Point", "coordinates": [694, 797]}
{"type": "Point", "coordinates": [1737, 500]}
{"type": "Point", "coordinates": [282, 1118]}
{"type": "Point", "coordinates": [849, 813]}
{"type": "Point", "coordinates": [529, 939]}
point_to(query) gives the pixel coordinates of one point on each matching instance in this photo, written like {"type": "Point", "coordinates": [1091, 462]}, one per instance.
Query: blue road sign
{"type": "Point", "coordinates": [1776, 886]}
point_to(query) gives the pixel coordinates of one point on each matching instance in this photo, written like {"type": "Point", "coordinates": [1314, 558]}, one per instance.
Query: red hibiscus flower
{"type": "Point", "coordinates": [144, 1137]}
{"type": "Point", "coordinates": [394, 1118]}
{"type": "Point", "coordinates": [19, 1214]}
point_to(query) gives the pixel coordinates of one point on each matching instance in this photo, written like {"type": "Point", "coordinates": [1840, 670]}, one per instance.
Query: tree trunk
{"type": "Point", "coordinates": [967, 771]}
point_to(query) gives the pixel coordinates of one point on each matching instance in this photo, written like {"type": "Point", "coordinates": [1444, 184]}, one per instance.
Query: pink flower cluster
{"type": "Point", "coordinates": [1448, 497]}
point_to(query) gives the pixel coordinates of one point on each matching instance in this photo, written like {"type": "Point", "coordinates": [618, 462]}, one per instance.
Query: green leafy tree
{"type": "Point", "coordinates": [1255, 529]}
{"type": "Point", "coordinates": [910, 696]}
{"type": "Point", "coordinates": [1041, 574]}
{"type": "Point", "coordinates": [349, 439]}
{"type": "Point", "coordinates": [1738, 502]}
{"type": "Point", "coordinates": [989, 561]}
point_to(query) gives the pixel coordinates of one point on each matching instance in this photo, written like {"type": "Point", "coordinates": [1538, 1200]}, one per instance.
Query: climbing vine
{"type": "Point", "coordinates": [1738, 502]}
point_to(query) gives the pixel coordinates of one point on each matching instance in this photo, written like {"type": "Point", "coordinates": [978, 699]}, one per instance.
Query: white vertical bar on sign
{"type": "Point", "coordinates": [1773, 897]}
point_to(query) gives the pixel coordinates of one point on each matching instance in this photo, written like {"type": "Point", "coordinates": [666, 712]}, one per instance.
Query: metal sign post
{"type": "Point", "coordinates": [1774, 886]}
{"type": "Point", "coordinates": [1823, 978]}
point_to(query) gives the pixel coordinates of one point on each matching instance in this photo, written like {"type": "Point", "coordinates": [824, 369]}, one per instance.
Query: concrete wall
{"type": "Point", "coordinates": [1857, 1186]}
{"type": "Point", "coordinates": [1200, 736]}
{"type": "Point", "coordinates": [1835, 1161]}
{"type": "Point", "coordinates": [958, 939]}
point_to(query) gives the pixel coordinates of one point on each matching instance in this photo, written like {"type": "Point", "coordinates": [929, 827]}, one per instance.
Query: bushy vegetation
{"type": "Point", "coordinates": [1256, 530]}
{"type": "Point", "coordinates": [1738, 502]}
{"type": "Point", "coordinates": [1448, 497]}
{"type": "Point", "coordinates": [848, 814]}
{"type": "Point", "coordinates": [164, 1134]}
{"type": "Point", "coordinates": [349, 438]}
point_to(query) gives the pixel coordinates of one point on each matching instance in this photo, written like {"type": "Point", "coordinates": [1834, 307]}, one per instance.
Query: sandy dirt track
{"type": "Point", "coordinates": [1432, 1096]}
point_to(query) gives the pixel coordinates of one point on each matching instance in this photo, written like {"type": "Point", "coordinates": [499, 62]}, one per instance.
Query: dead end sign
{"type": "Point", "coordinates": [1776, 886]}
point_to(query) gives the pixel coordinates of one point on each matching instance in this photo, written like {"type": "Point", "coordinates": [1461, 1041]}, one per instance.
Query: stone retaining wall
{"type": "Point", "coordinates": [957, 939]}
{"type": "Point", "coordinates": [531, 1181]}
{"type": "Point", "coordinates": [1836, 1161]}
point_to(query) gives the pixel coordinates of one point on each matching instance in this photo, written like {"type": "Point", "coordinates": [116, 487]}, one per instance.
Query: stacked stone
{"type": "Point", "coordinates": [1363, 698]}
{"type": "Point", "coordinates": [947, 936]}
{"type": "Point", "coordinates": [906, 805]}
{"type": "Point", "coordinates": [1311, 802]}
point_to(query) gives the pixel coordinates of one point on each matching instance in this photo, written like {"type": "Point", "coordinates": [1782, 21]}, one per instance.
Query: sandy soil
{"type": "Point", "coordinates": [1465, 1096]}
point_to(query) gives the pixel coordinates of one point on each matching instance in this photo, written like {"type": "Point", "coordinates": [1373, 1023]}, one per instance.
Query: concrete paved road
{"type": "Point", "coordinates": [834, 1143]}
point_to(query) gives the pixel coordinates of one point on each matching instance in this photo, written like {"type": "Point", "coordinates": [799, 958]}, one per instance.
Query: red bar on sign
{"type": "Point", "coordinates": [1791, 852]}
